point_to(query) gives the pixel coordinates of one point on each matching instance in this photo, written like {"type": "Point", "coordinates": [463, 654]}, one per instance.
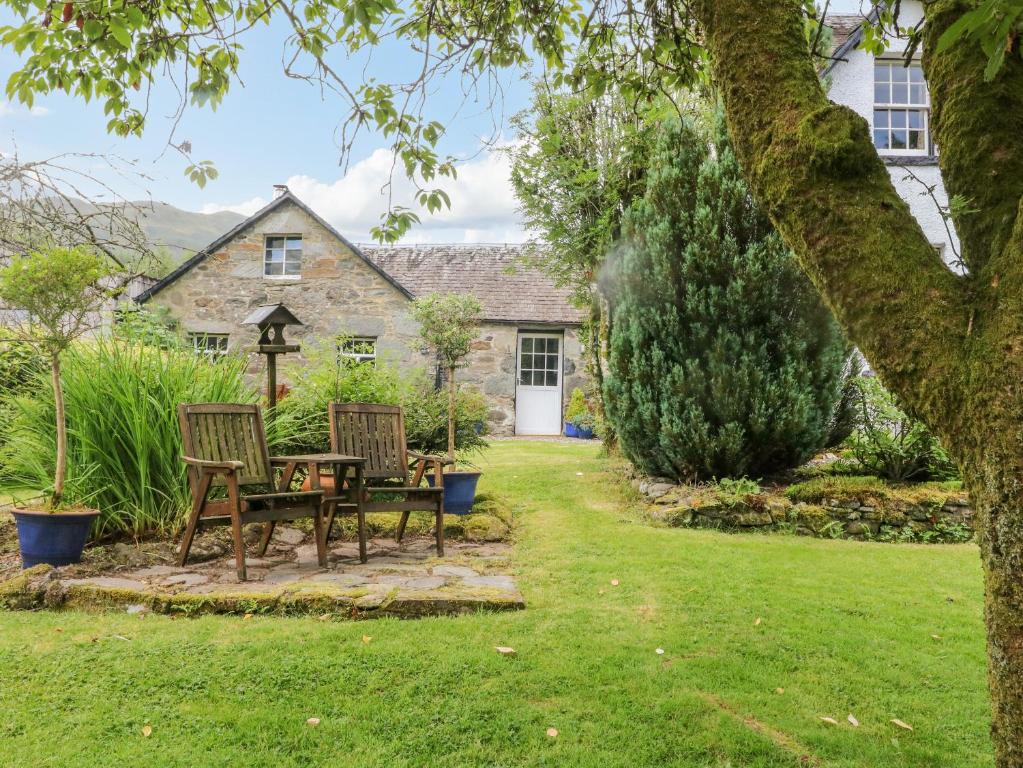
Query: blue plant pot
{"type": "Point", "coordinates": [54, 539]}
{"type": "Point", "coordinates": [571, 430]}
{"type": "Point", "coordinates": [459, 491]}
{"type": "Point", "coordinates": [584, 433]}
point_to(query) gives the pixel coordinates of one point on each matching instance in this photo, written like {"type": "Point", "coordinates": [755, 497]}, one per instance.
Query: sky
{"type": "Point", "coordinates": [276, 130]}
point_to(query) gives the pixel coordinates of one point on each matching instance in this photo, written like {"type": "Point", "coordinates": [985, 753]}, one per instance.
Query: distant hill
{"type": "Point", "coordinates": [182, 233]}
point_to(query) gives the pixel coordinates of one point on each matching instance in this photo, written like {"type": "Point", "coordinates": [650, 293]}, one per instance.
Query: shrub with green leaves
{"type": "Point", "coordinates": [124, 443]}
{"type": "Point", "coordinates": [723, 360]}
{"type": "Point", "coordinates": [891, 444]}
{"type": "Point", "coordinates": [300, 423]}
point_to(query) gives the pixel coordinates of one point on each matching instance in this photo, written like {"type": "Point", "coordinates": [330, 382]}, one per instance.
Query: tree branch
{"type": "Point", "coordinates": [812, 164]}
{"type": "Point", "coordinates": [979, 127]}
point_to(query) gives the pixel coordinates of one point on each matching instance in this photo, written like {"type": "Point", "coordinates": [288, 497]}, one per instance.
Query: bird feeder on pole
{"type": "Point", "coordinates": [271, 319]}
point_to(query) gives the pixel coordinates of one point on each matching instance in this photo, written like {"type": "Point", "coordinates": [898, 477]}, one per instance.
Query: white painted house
{"type": "Point", "coordinates": [894, 100]}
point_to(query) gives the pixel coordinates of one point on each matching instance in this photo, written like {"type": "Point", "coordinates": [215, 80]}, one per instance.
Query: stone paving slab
{"type": "Point", "coordinates": [407, 580]}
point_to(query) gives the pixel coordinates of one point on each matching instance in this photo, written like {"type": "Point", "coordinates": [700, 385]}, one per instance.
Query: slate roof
{"type": "Point", "coordinates": [509, 290]}
{"type": "Point", "coordinates": [847, 32]}
{"type": "Point", "coordinates": [843, 26]}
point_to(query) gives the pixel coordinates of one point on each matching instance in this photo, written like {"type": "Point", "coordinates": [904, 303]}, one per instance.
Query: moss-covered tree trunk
{"type": "Point", "coordinates": [950, 346]}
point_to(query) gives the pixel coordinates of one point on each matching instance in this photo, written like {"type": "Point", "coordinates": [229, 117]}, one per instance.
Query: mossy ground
{"type": "Point", "coordinates": [844, 627]}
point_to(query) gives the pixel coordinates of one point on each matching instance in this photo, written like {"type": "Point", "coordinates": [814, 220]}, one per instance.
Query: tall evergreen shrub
{"type": "Point", "coordinates": [723, 359]}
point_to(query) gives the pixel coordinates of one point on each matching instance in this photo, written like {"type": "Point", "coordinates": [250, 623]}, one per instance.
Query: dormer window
{"type": "Point", "coordinates": [901, 109]}
{"type": "Point", "coordinates": [283, 256]}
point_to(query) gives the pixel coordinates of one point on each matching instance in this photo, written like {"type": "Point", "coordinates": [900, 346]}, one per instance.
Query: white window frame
{"type": "Point", "coordinates": [284, 263]}
{"type": "Point", "coordinates": [349, 347]}
{"type": "Point", "coordinates": [200, 343]}
{"type": "Point", "coordinates": [901, 106]}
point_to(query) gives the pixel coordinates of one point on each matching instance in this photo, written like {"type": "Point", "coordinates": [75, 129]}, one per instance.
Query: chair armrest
{"type": "Point", "coordinates": [213, 466]}
{"type": "Point", "coordinates": [442, 460]}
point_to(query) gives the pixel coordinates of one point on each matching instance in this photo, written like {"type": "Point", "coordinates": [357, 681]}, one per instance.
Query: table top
{"type": "Point", "coordinates": [318, 458]}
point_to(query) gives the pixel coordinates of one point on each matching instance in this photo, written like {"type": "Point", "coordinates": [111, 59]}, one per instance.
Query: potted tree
{"type": "Point", "coordinates": [448, 324]}
{"type": "Point", "coordinates": [55, 295]}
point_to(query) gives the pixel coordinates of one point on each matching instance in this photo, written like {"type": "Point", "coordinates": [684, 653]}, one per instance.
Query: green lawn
{"type": "Point", "coordinates": [844, 628]}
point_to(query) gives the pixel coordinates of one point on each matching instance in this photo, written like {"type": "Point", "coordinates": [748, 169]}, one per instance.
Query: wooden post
{"type": "Point", "coordinates": [271, 379]}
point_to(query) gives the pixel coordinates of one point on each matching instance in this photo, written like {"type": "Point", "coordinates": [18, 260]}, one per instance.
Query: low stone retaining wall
{"type": "Point", "coordinates": [938, 517]}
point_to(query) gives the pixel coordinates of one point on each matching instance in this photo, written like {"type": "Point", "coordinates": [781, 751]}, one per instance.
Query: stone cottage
{"type": "Point", "coordinates": [526, 360]}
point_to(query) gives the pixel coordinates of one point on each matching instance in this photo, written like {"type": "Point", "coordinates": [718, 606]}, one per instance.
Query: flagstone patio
{"type": "Point", "coordinates": [406, 580]}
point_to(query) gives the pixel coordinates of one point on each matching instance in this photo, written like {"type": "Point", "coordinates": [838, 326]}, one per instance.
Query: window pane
{"type": "Point", "coordinates": [273, 268]}
{"type": "Point", "coordinates": [552, 378]}
{"type": "Point", "coordinates": [916, 74]}
{"type": "Point", "coordinates": [552, 345]}
{"type": "Point", "coordinates": [881, 139]}
{"type": "Point", "coordinates": [527, 344]}
{"type": "Point", "coordinates": [900, 94]}
{"type": "Point", "coordinates": [295, 242]}
{"type": "Point", "coordinates": [552, 362]}
{"type": "Point", "coordinates": [274, 242]}
{"type": "Point", "coordinates": [293, 267]}
{"type": "Point", "coordinates": [899, 73]}
{"type": "Point", "coordinates": [527, 361]}
{"type": "Point", "coordinates": [916, 118]}
{"type": "Point", "coordinates": [899, 119]}
{"type": "Point", "coordinates": [917, 94]}
{"type": "Point", "coordinates": [882, 93]}
{"type": "Point", "coordinates": [898, 139]}
{"type": "Point", "coordinates": [276, 254]}
{"type": "Point", "coordinates": [882, 73]}
{"type": "Point", "coordinates": [916, 140]}
{"type": "Point", "coordinates": [540, 345]}
{"type": "Point", "coordinates": [880, 118]}
{"type": "Point", "coordinates": [526, 378]}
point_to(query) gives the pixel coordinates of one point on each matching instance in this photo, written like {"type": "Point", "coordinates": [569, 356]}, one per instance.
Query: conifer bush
{"type": "Point", "coordinates": [723, 360]}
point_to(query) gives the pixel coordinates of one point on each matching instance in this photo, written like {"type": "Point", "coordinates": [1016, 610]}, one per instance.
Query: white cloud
{"type": "Point", "coordinates": [483, 206]}
{"type": "Point", "coordinates": [12, 110]}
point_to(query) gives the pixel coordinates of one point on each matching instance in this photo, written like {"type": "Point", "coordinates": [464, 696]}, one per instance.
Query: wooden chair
{"type": "Point", "coordinates": [225, 445]}
{"type": "Point", "coordinates": [377, 433]}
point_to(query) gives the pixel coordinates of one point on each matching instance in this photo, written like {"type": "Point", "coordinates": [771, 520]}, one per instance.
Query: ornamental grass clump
{"type": "Point", "coordinates": [123, 439]}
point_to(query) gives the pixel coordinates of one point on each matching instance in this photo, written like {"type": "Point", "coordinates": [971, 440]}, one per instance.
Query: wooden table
{"type": "Point", "coordinates": [350, 497]}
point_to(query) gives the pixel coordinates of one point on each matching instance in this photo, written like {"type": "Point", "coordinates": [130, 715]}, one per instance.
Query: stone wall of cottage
{"type": "Point", "coordinates": [337, 294]}
{"type": "Point", "coordinates": [492, 366]}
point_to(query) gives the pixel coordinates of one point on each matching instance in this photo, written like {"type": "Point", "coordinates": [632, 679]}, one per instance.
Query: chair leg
{"type": "Point", "coordinates": [331, 513]}
{"type": "Point", "coordinates": [268, 532]}
{"type": "Point", "coordinates": [361, 514]}
{"type": "Point", "coordinates": [401, 526]}
{"type": "Point", "coordinates": [321, 536]}
{"type": "Point", "coordinates": [440, 531]}
{"type": "Point", "coordinates": [236, 527]}
{"type": "Point", "coordinates": [198, 503]}
{"type": "Point", "coordinates": [186, 540]}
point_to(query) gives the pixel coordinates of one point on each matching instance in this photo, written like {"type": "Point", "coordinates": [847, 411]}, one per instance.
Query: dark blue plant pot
{"type": "Point", "coordinates": [459, 491]}
{"type": "Point", "coordinates": [584, 433]}
{"type": "Point", "coordinates": [54, 539]}
{"type": "Point", "coordinates": [571, 430]}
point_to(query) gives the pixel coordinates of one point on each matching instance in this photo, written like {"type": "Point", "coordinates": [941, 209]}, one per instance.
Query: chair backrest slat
{"type": "Point", "coordinates": [226, 432]}
{"type": "Point", "coordinates": [374, 432]}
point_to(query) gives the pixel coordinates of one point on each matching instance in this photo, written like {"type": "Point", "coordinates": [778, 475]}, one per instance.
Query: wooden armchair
{"type": "Point", "coordinates": [393, 474]}
{"type": "Point", "coordinates": [225, 445]}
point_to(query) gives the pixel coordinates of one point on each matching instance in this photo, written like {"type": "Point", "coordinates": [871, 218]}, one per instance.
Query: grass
{"type": "Point", "coordinates": [845, 627]}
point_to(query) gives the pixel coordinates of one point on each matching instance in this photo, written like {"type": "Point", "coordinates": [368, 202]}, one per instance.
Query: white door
{"type": "Point", "coordinates": [538, 385]}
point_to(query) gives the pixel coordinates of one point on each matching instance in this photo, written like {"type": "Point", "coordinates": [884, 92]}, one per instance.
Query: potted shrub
{"type": "Point", "coordinates": [56, 294]}
{"type": "Point", "coordinates": [576, 407]}
{"type": "Point", "coordinates": [448, 324]}
{"type": "Point", "coordinates": [579, 419]}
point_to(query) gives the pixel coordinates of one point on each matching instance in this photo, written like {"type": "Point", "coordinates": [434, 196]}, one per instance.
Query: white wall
{"type": "Point", "coordinates": [852, 84]}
